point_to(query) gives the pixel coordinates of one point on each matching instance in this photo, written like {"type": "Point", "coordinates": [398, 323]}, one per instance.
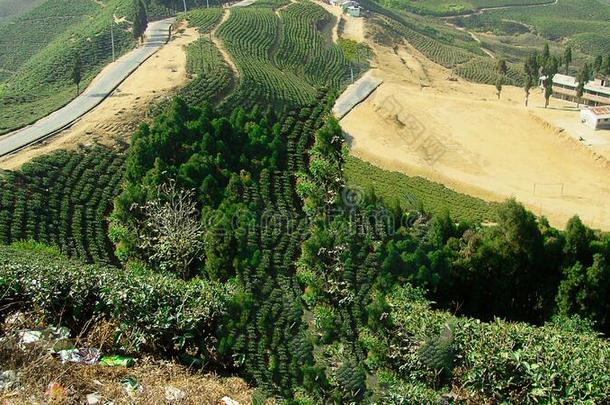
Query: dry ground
{"type": "Point", "coordinates": [351, 27]}
{"type": "Point", "coordinates": [118, 115]}
{"type": "Point", "coordinates": [35, 368]}
{"type": "Point", "coordinates": [458, 133]}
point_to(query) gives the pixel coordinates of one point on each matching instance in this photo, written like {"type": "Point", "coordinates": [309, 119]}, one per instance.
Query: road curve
{"type": "Point", "coordinates": [157, 35]}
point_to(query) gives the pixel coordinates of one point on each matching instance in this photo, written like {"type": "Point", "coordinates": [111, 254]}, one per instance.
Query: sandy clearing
{"type": "Point", "coordinates": [351, 27]}
{"type": "Point", "coordinates": [117, 116]}
{"type": "Point", "coordinates": [459, 134]}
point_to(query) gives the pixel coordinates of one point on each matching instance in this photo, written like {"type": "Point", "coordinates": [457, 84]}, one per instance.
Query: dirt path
{"type": "Point", "coordinates": [117, 116]}
{"type": "Point", "coordinates": [473, 36]}
{"type": "Point", "coordinates": [353, 27]}
{"type": "Point", "coordinates": [221, 48]}
{"type": "Point", "coordinates": [459, 134]}
{"type": "Point", "coordinates": [485, 9]}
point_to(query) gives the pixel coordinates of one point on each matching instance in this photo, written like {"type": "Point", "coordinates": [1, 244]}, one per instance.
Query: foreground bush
{"type": "Point", "coordinates": [560, 362]}
{"type": "Point", "coordinates": [151, 311]}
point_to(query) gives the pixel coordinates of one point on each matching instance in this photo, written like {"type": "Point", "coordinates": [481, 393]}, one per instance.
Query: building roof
{"type": "Point", "coordinates": [600, 112]}
{"type": "Point", "coordinates": [571, 82]}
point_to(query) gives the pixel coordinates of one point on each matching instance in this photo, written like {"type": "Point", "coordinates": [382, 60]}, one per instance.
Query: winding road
{"type": "Point", "coordinates": [157, 35]}
{"type": "Point", "coordinates": [483, 10]}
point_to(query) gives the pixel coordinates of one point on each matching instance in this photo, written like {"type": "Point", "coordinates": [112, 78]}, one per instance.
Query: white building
{"type": "Point", "coordinates": [354, 11]}
{"type": "Point", "coordinates": [350, 7]}
{"type": "Point", "coordinates": [596, 117]}
{"type": "Point", "coordinates": [595, 93]}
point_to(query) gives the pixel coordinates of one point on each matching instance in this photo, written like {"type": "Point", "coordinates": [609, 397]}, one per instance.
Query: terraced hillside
{"type": "Point", "coordinates": [62, 199]}
{"type": "Point", "coordinates": [283, 55]}
{"type": "Point", "coordinates": [449, 7]}
{"type": "Point", "coordinates": [447, 49]}
{"type": "Point", "coordinates": [585, 24]}
{"type": "Point", "coordinates": [14, 8]}
{"type": "Point", "coordinates": [36, 75]}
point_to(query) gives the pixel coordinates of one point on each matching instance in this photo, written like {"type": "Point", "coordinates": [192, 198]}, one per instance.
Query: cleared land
{"type": "Point", "coordinates": [458, 133]}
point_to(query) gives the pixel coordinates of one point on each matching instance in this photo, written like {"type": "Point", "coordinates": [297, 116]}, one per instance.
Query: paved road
{"type": "Point", "coordinates": [102, 86]}
{"type": "Point", "coordinates": [355, 94]}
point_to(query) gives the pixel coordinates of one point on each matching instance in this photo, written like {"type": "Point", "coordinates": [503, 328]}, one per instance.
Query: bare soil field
{"type": "Point", "coordinates": [347, 27]}
{"type": "Point", "coordinates": [458, 133]}
{"type": "Point", "coordinates": [117, 116]}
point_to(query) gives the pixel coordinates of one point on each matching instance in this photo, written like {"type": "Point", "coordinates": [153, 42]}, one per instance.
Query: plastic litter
{"type": "Point", "coordinates": [117, 361]}
{"type": "Point", "coordinates": [228, 401]}
{"type": "Point", "coordinates": [131, 386]}
{"type": "Point", "coordinates": [56, 393]}
{"type": "Point", "coordinates": [15, 318]}
{"type": "Point", "coordinates": [93, 399]}
{"type": "Point", "coordinates": [8, 379]}
{"type": "Point", "coordinates": [51, 333]}
{"type": "Point", "coordinates": [80, 356]}
{"type": "Point", "coordinates": [174, 394]}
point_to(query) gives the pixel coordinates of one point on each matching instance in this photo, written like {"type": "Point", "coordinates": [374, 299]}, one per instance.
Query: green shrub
{"type": "Point", "coordinates": [561, 362]}
{"type": "Point", "coordinates": [152, 311]}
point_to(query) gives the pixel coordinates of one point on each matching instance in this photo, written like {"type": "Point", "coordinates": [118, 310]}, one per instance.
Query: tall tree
{"type": "Point", "coordinates": [597, 65]}
{"type": "Point", "coordinates": [546, 54]}
{"type": "Point", "coordinates": [77, 73]}
{"type": "Point", "coordinates": [606, 67]}
{"type": "Point", "coordinates": [501, 68]}
{"type": "Point", "coordinates": [549, 71]}
{"type": "Point", "coordinates": [582, 77]}
{"type": "Point", "coordinates": [532, 74]}
{"type": "Point", "coordinates": [567, 58]}
{"type": "Point", "coordinates": [584, 291]}
{"type": "Point", "coordinates": [140, 21]}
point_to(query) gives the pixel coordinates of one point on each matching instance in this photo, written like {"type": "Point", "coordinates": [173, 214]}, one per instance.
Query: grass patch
{"type": "Point", "coordinates": [412, 191]}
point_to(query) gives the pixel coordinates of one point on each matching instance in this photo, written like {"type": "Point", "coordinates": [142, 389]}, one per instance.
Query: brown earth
{"type": "Point", "coordinates": [458, 133]}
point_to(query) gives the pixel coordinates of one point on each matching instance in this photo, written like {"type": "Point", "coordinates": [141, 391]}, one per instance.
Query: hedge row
{"type": "Point", "coordinates": [151, 311]}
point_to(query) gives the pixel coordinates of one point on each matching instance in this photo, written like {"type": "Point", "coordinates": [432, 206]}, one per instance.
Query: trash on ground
{"type": "Point", "coordinates": [174, 394]}
{"type": "Point", "coordinates": [94, 398]}
{"type": "Point", "coordinates": [228, 401]}
{"type": "Point", "coordinates": [80, 356]}
{"type": "Point", "coordinates": [8, 379]}
{"type": "Point", "coordinates": [56, 393]}
{"type": "Point", "coordinates": [117, 361]}
{"type": "Point", "coordinates": [51, 333]}
{"type": "Point", "coordinates": [16, 318]}
{"type": "Point", "coordinates": [131, 386]}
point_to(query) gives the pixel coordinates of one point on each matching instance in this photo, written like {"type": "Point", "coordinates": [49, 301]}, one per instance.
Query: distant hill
{"type": "Point", "coordinates": [12, 8]}
{"type": "Point", "coordinates": [38, 49]}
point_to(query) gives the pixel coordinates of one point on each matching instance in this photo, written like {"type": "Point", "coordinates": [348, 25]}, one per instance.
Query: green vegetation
{"type": "Point", "coordinates": [446, 51]}
{"type": "Point", "coordinates": [285, 59]}
{"type": "Point", "coordinates": [203, 19]}
{"type": "Point", "coordinates": [212, 79]}
{"type": "Point", "coordinates": [13, 8]}
{"type": "Point", "coordinates": [584, 24]}
{"type": "Point", "coordinates": [151, 311]}
{"type": "Point", "coordinates": [62, 199]}
{"type": "Point", "coordinates": [242, 169]}
{"type": "Point", "coordinates": [323, 296]}
{"type": "Point", "coordinates": [417, 192]}
{"type": "Point", "coordinates": [451, 7]}
{"type": "Point", "coordinates": [250, 243]}
{"type": "Point", "coordinates": [37, 74]}
{"type": "Point", "coordinates": [561, 362]}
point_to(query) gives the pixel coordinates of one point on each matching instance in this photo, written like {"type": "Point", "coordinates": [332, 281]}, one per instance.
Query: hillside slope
{"type": "Point", "coordinates": [36, 76]}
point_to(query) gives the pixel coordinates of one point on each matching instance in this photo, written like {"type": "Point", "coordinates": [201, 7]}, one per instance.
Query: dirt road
{"type": "Point", "coordinates": [118, 115]}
